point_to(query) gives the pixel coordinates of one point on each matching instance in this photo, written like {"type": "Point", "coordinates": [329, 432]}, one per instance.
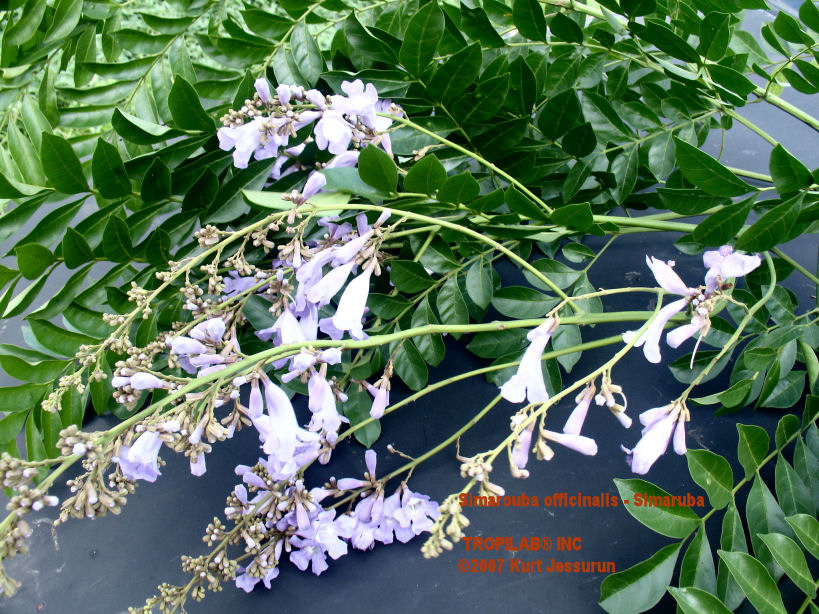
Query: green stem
{"type": "Point", "coordinates": [788, 108]}
{"type": "Point", "coordinates": [796, 265]}
{"type": "Point", "coordinates": [750, 174]}
{"type": "Point", "coordinates": [751, 125]}
{"type": "Point", "coordinates": [473, 155]}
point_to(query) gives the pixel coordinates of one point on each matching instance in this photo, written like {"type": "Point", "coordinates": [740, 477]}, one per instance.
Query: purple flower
{"type": "Point", "coordinates": [322, 403]}
{"type": "Point", "coordinates": [650, 338]}
{"type": "Point", "coordinates": [323, 531]}
{"type": "Point", "coordinates": [325, 289]}
{"type": "Point", "coordinates": [333, 132]}
{"type": "Point", "coordinates": [279, 430]}
{"type": "Point", "coordinates": [527, 383]}
{"type": "Point", "coordinates": [575, 422]}
{"type": "Point", "coordinates": [578, 443]}
{"type": "Point", "coordinates": [667, 278]}
{"type": "Point", "coordinates": [262, 89]}
{"type": "Point", "coordinates": [198, 465]}
{"type": "Point", "coordinates": [360, 101]}
{"type": "Point", "coordinates": [283, 94]}
{"type": "Point", "coordinates": [522, 446]}
{"type": "Point", "coordinates": [244, 140]}
{"type": "Point", "coordinates": [659, 425]}
{"type": "Point", "coordinates": [417, 513]}
{"type": "Point", "coordinates": [351, 306]}
{"type": "Point", "coordinates": [312, 186]}
{"type": "Point", "coordinates": [724, 264]}
{"type": "Point", "coordinates": [381, 399]}
{"type": "Point", "coordinates": [139, 461]}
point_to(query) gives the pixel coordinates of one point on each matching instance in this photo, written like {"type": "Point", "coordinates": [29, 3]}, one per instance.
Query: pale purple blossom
{"type": "Point", "coordinates": [322, 402]}
{"type": "Point", "coordinates": [575, 422]}
{"type": "Point", "coordinates": [262, 89]}
{"type": "Point", "coordinates": [381, 399]}
{"type": "Point", "coordinates": [522, 447]}
{"type": "Point", "coordinates": [650, 339]}
{"type": "Point", "coordinates": [360, 101]}
{"type": "Point", "coordinates": [139, 461]}
{"type": "Point", "coordinates": [659, 425]}
{"type": "Point", "coordinates": [724, 264]}
{"type": "Point", "coordinates": [578, 443]}
{"type": "Point", "coordinates": [351, 305]}
{"type": "Point", "coordinates": [283, 94]}
{"type": "Point", "coordinates": [315, 182]}
{"type": "Point", "coordinates": [333, 132]}
{"type": "Point", "coordinates": [527, 383]}
{"type": "Point", "coordinates": [417, 513]}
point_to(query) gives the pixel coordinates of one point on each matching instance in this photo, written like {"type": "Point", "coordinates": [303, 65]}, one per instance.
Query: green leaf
{"type": "Point", "coordinates": [793, 494]}
{"type": "Point", "coordinates": [20, 398]}
{"type": "Point", "coordinates": [62, 166]}
{"type": "Point", "coordinates": [809, 14]}
{"type": "Point", "coordinates": [790, 558]}
{"type": "Point", "coordinates": [479, 283]}
{"type": "Point", "coordinates": [713, 473]}
{"type": "Point", "coordinates": [409, 365]}
{"type": "Point", "coordinates": [23, 299]}
{"type": "Point", "coordinates": [140, 131]}
{"type": "Point", "coordinates": [806, 528]}
{"type": "Point", "coordinates": [116, 240]}
{"type": "Point", "coordinates": [788, 28]}
{"type": "Point", "coordinates": [34, 121]}
{"type": "Point", "coordinates": [752, 447]}
{"type": "Point", "coordinates": [409, 276]}
{"type": "Point", "coordinates": [706, 173]}
{"type": "Point", "coordinates": [639, 588]}
{"type": "Point", "coordinates": [33, 259]}
{"type": "Point", "coordinates": [663, 37]}
{"type": "Point", "coordinates": [484, 102]}
{"type": "Point", "coordinates": [455, 75]}
{"type": "Point", "coordinates": [558, 273]}
{"type": "Point", "coordinates": [624, 169]}
{"type": "Point", "coordinates": [450, 303]}
{"type": "Point", "coordinates": [575, 179]}
{"type": "Point", "coordinates": [62, 299]}
{"type": "Point", "coordinates": [564, 28]}
{"type": "Point", "coordinates": [41, 372]}
{"type": "Point", "coordinates": [672, 521]}
{"type": "Point", "coordinates": [695, 601]}
{"type": "Point", "coordinates": [720, 227]}
{"type": "Point", "coordinates": [715, 34]}
{"type": "Point", "coordinates": [431, 347]}
{"type": "Point", "coordinates": [697, 567]}
{"type": "Point", "coordinates": [755, 581]}
{"type": "Point", "coordinates": [27, 23]}
{"type": "Point", "coordinates": [108, 171]}
{"type": "Point", "coordinates": [377, 168]}
{"type": "Point", "coordinates": [425, 176]}
{"type": "Point", "coordinates": [788, 173]}
{"type": "Point", "coordinates": [423, 33]}
{"type": "Point", "coordinates": [580, 141]}
{"type": "Point", "coordinates": [764, 515]}
{"type": "Point", "coordinates": [560, 114]}
{"type": "Point", "coordinates": [56, 339]}
{"type": "Point", "coordinates": [527, 15]}
{"type": "Point", "coordinates": [682, 371]}
{"type": "Point", "coordinates": [357, 409]}
{"type": "Point", "coordinates": [24, 155]}
{"type": "Point", "coordinates": [567, 336]}
{"type": "Point", "coordinates": [186, 109]}
{"type": "Point", "coordinates": [460, 188]}
{"type": "Point", "coordinates": [10, 426]}
{"type": "Point", "coordinates": [769, 230]}
{"type": "Point", "coordinates": [732, 538]}
{"type": "Point", "coordinates": [307, 54]}
{"type": "Point", "coordinates": [522, 303]}
{"type": "Point", "coordinates": [498, 343]}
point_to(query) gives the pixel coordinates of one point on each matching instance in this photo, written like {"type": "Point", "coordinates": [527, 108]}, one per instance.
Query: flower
{"type": "Point", "coordinates": [578, 443]}
{"type": "Point", "coordinates": [527, 383]}
{"type": "Point", "coordinates": [522, 447]}
{"type": "Point", "coordinates": [415, 515]}
{"type": "Point", "coordinates": [650, 339]}
{"type": "Point", "coordinates": [659, 423]}
{"type": "Point", "coordinates": [333, 132]}
{"type": "Point", "coordinates": [350, 308]}
{"type": "Point", "coordinates": [724, 264]}
{"type": "Point", "coordinates": [312, 186]}
{"type": "Point", "coordinates": [139, 461]}
{"type": "Point", "coordinates": [360, 101]}
{"type": "Point", "coordinates": [381, 399]}
{"type": "Point", "coordinates": [262, 89]}
{"type": "Point", "coordinates": [575, 422]}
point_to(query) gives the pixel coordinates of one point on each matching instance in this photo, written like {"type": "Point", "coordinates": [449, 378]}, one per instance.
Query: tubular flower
{"type": "Point", "coordinates": [139, 461]}
{"type": "Point", "coordinates": [660, 424]}
{"type": "Point", "coordinates": [528, 383]}
{"type": "Point", "coordinates": [574, 424]}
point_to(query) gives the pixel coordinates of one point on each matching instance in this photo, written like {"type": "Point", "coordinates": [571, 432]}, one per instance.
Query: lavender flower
{"type": "Point", "coordinates": [381, 399]}
{"type": "Point", "coordinates": [360, 101]}
{"type": "Point", "coordinates": [574, 424]}
{"type": "Point", "coordinates": [659, 423]}
{"type": "Point", "coordinates": [262, 89]}
{"type": "Point", "coordinates": [724, 264]}
{"type": "Point", "coordinates": [350, 309]}
{"type": "Point", "coordinates": [333, 132]}
{"type": "Point", "coordinates": [578, 443]}
{"type": "Point", "coordinates": [139, 461]}
{"type": "Point", "coordinates": [527, 383]}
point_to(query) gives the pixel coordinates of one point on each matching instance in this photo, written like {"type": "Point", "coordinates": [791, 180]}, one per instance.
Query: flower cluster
{"type": "Point", "coordinates": [263, 128]}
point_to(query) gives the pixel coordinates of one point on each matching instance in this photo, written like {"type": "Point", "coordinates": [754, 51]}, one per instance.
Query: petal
{"type": "Point", "coordinates": [262, 89]}
{"type": "Point", "coordinates": [737, 265]}
{"type": "Point", "coordinates": [676, 337]}
{"type": "Point", "coordinates": [651, 349]}
{"type": "Point", "coordinates": [370, 460]}
{"type": "Point", "coordinates": [679, 437]}
{"type": "Point", "coordinates": [667, 278]}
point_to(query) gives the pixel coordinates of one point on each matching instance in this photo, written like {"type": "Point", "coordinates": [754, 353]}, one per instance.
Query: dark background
{"type": "Point", "coordinates": [106, 565]}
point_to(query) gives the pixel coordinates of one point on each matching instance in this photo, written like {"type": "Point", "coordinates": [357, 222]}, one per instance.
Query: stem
{"type": "Point", "coordinates": [729, 345]}
{"type": "Point", "coordinates": [751, 125]}
{"type": "Point", "coordinates": [795, 265]}
{"type": "Point", "coordinates": [790, 109]}
{"type": "Point", "coordinates": [750, 174]}
{"type": "Point", "coordinates": [474, 156]}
